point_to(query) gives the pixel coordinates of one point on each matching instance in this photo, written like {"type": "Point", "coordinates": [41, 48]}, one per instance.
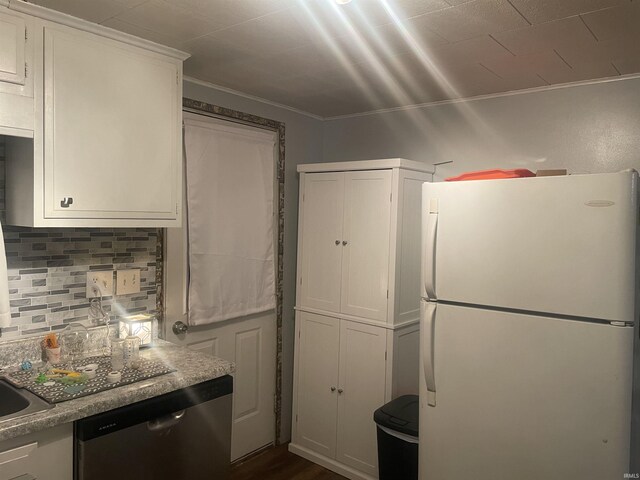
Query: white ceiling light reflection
{"type": "Point", "coordinates": [354, 52]}
{"type": "Point", "coordinates": [431, 68]}
{"type": "Point", "coordinates": [315, 17]}
{"type": "Point", "coordinates": [354, 37]}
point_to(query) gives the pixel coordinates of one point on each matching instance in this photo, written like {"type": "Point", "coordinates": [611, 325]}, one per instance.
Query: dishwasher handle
{"type": "Point", "coordinates": [168, 421]}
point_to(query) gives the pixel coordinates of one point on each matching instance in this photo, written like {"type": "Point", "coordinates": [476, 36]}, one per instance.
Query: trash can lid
{"type": "Point", "coordinates": [400, 415]}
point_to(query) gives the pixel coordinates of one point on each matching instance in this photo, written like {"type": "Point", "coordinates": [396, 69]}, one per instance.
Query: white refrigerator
{"type": "Point", "coordinates": [527, 328]}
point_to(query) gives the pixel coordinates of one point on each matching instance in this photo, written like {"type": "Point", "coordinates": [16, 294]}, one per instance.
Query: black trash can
{"type": "Point", "coordinates": [397, 425]}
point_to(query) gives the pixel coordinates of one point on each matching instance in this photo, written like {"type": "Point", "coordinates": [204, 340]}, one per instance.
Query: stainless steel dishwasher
{"type": "Point", "coordinates": [182, 435]}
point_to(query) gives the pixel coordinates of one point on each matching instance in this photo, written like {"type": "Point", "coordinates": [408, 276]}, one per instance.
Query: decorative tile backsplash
{"type": "Point", "coordinates": [47, 270]}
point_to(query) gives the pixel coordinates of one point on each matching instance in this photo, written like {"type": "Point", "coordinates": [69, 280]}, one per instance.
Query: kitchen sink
{"type": "Point", "coordinates": [18, 402]}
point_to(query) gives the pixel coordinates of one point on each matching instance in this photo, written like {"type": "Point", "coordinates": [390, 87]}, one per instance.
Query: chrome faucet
{"type": "Point", "coordinates": [97, 315]}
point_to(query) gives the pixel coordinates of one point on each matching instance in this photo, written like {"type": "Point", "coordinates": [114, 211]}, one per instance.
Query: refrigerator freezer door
{"type": "Point", "coordinates": [562, 245]}
{"type": "Point", "coordinates": [526, 397]}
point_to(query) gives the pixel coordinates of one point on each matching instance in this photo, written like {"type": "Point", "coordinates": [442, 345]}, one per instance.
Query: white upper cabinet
{"type": "Point", "coordinates": [104, 147]}
{"type": "Point", "coordinates": [16, 76]}
{"type": "Point", "coordinates": [359, 239]}
{"type": "Point", "coordinates": [13, 33]}
{"type": "Point", "coordinates": [112, 129]}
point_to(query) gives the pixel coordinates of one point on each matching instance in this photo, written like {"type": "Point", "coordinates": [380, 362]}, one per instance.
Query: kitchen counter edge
{"type": "Point", "coordinates": [191, 367]}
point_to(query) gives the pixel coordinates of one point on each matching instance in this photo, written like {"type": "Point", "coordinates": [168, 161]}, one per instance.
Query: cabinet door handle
{"type": "Point", "coordinates": [340, 390]}
{"type": "Point", "coordinates": [66, 201]}
{"type": "Point", "coordinates": [333, 389]}
{"type": "Point", "coordinates": [337, 242]}
{"type": "Point", "coordinates": [344, 242]}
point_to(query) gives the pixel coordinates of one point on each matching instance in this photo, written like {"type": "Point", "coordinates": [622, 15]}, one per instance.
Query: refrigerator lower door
{"type": "Point", "coordinates": [526, 397]}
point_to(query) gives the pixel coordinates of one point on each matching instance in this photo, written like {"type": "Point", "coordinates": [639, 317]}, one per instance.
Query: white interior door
{"type": "Point", "coordinates": [563, 245]}
{"type": "Point", "coordinates": [317, 383]}
{"type": "Point", "coordinates": [361, 392]}
{"type": "Point", "coordinates": [254, 352]}
{"type": "Point", "coordinates": [319, 275]}
{"type": "Point", "coordinates": [365, 261]}
{"type": "Point", "coordinates": [527, 397]}
{"type": "Point", "coordinates": [250, 342]}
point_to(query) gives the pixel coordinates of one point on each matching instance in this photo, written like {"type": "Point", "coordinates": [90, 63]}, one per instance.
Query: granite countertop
{"type": "Point", "coordinates": [191, 368]}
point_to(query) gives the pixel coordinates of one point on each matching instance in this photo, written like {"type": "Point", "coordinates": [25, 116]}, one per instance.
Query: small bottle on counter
{"type": "Point", "coordinates": [132, 352]}
{"type": "Point", "coordinates": [117, 354]}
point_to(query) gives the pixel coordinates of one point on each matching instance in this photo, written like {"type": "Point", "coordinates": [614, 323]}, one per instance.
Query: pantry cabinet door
{"type": "Point", "coordinates": [317, 383]}
{"type": "Point", "coordinates": [12, 48]}
{"type": "Point", "coordinates": [361, 392]}
{"type": "Point", "coordinates": [112, 129]}
{"type": "Point", "coordinates": [365, 261]}
{"type": "Point", "coordinates": [321, 256]}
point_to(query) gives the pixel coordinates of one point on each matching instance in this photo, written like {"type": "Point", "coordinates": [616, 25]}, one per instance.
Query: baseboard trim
{"type": "Point", "coordinates": [329, 463]}
{"type": "Point", "coordinates": [252, 454]}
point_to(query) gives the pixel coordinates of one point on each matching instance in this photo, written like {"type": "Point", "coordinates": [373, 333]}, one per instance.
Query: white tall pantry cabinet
{"type": "Point", "coordinates": [357, 305]}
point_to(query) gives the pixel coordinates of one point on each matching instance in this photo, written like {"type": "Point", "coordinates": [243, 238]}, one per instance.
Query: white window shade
{"type": "Point", "coordinates": [230, 201]}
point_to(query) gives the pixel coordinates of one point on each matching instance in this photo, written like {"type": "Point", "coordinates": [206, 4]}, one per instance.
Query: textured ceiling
{"type": "Point", "coordinates": [329, 59]}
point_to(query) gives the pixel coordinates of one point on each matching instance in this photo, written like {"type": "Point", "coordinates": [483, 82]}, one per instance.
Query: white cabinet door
{"type": "Point", "coordinates": [47, 454]}
{"type": "Point", "coordinates": [365, 261]}
{"type": "Point", "coordinates": [16, 74]}
{"type": "Point", "coordinates": [317, 383]}
{"type": "Point", "coordinates": [361, 392]}
{"type": "Point", "coordinates": [12, 48]}
{"type": "Point", "coordinates": [322, 212]}
{"type": "Point", "coordinates": [111, 129]}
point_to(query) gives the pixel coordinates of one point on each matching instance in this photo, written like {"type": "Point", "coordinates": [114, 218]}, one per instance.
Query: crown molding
{"type": "Point", "coordinates": [490, 96]}
{"type": "Point", "coordinates": [204, 83]}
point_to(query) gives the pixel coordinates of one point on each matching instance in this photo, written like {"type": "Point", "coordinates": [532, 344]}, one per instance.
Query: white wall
{"type": "Point", "coordinates": [586, 128]}
{"type": "Point", "coordinates": [303, 139]}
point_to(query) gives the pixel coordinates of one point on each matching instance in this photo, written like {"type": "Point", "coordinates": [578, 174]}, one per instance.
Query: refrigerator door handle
{"type": "Point", "coordinates": [428, 336]}
{"type": "Point", "coordinates": [429, 259]}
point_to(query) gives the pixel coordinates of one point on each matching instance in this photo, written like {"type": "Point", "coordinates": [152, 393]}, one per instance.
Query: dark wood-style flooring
{"type": "Point", "coordinates": [278, 463]}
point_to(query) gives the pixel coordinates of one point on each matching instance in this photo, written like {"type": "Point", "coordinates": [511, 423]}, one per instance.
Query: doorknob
{"type": "Point", "coordinates": [179, 328]}
{"type": "Point", "coordinates": [344, 242]}
{"type": "Point", "coordinates": [337, 242]}
{"type": "Point", "coordinates": [340, 390]}
{"type": "Point", "coordinates": [333, 389]}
